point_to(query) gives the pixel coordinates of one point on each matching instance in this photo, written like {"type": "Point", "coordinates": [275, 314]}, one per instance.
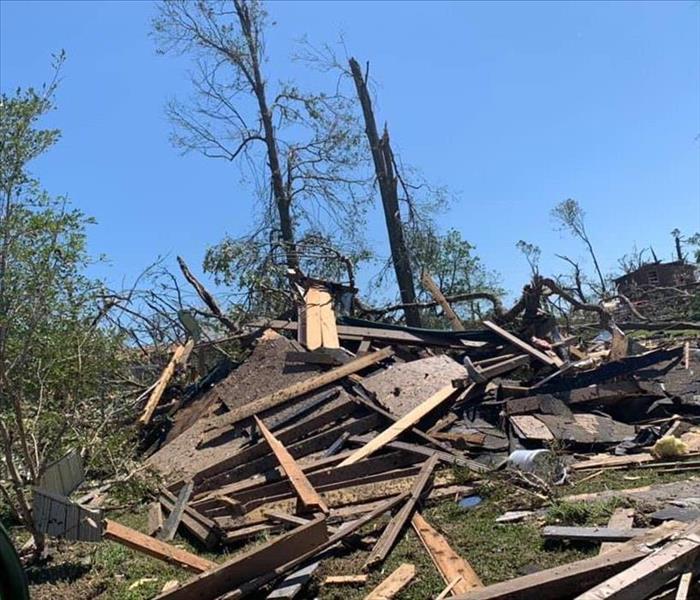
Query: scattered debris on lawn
{"type": "Point", "coordinates": [335, 435]}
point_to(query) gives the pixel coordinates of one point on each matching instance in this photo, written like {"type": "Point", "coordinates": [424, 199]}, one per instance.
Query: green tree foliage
{"type": "Point", "coordinates": [456, 269]}
{"type": "Point", "coordinates": [57, 364]}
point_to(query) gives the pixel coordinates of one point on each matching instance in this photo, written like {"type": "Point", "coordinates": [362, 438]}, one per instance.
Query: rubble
{"type": "Point", "coordinates": [333, 424]}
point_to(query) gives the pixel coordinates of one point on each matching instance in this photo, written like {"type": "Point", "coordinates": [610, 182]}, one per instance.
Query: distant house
{"type": "Point", "coordinates": [671, 274]}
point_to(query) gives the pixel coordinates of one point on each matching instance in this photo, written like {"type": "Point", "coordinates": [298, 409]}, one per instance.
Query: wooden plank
{"type": "Point", "coordinates": [141, 542]}
{"type": "Point", "coordinates": [313, 337]}
{"type": "Point", "coordinates": [530, 428]}
{"type": "Point", "coordinates": [391, 532]}
{"type": "Point", "coordinates": [439, 297]}
{"type": "Point", "coordinates": [64, 475]}
{"type": "Point", "coordinates": [155, 518]}
{"type": "Point", "coordinates": [329, 332]}
{"type": "Point", "coordinates": [622, 518]}
{"type": "Point", "coordinates": [494, 370]}
{"type": "Point", "coordinates": [404, 423]}
{"type": "Point", "coordinates": [524, 346]}
{"type": "Point", "coordinates": [345, 580]}
{"type": "Point", "coordinates": [171, 524]}
{"type": "Point", "coordinates": [566, 580]}
{"type": "Point", "coordinates": [450, 565]}
{"type": "Point", "coordinates": [683, 591]}
{"type": "Point", "coordinates": [651, 573]}
{"type": "Point", "coordinates": [303, 387]}
{"type": "Point", "coordinates": [258, 561]}
{"type": "Point", "coordinates": [591, 534]}
{"type": "Point", "coordinates": [201, 528]}
{"type": "Point", "coordinates": [309, 499]}
{"type": "Point", "coordinates": [291, 585]}
{"type": "Point", "coordinates": [58, 516]}
{"type": "Point", "coordinates": [393, 584]}
{"type": "Point", "coordinates": [180, 355]}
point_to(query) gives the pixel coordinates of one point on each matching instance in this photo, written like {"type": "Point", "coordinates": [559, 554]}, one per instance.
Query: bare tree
{"type": "Point", "coordinates": [387, 179]}
{"type": "Point", "coordinates": [305, 142]}
{"type": "Point", "coordinates": [571, 217]}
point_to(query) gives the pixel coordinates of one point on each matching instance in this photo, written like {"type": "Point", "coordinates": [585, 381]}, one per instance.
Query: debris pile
{"type": "Point", "coordinates": [331, 424]}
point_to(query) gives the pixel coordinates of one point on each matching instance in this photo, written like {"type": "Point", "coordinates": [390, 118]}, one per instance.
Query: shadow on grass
{"type": "Point", "coordinates": [53, 573]}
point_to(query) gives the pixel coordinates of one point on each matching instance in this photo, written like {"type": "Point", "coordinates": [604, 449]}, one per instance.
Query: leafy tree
{"type": "Point", "coordinates": [56, 363]}
{"type": "Point", "coordinates": [299, 151]}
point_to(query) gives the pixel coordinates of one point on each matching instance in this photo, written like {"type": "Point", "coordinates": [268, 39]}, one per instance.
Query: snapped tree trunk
{"type": "Point", "coordinates": [383, 166]}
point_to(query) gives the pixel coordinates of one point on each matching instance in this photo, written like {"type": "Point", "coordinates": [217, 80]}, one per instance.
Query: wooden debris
{"type": "Point", "coordinates": [591, 534]}
{"type": "Point", "coordinates": [155, 518]}
{"type": "Point", "coordinates": [345, 580]}
{"type": "Point", "coordinates": [437, 294]}
{"type": "Point", "coordinates": [652, 572]}
{"type": "Point", "coordinates": [309, 499]}
{"type": "Point", "coordinates": [404, 423]}
{"type": "Point", "coordinates": [524, 346]}
{"type": "Point", "coordinates": [259, 561]}
{"type": "Point", "coordinates": [622, 518]}
{"type": "Point", "coordinates": [171, 524]}
{"type": "Point", "coordinates": [684, 586]}
{"type": "Point", "coordinates": [58, 516]}
{"type": "Point", "coordinates": [179, 357]}
{"type": "Point", "coordinates": [450, 565]}
{"type": "Point", "coordinates": [393, 529]}
{"type": "Point", "coordinates": [142, 543]}
{"type": "Point", "coordinates": [393, 584]}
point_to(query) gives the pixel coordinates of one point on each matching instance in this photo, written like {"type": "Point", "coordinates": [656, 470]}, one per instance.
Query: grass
{"type": "Point", "coordinates": [496, 551]}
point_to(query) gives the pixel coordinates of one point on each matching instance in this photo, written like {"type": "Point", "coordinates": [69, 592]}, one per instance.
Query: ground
{"type": "Point", "coordinates": [496, 551]}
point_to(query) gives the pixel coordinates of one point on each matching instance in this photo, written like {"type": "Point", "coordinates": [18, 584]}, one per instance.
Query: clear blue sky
{"type": "Point", "coordinates": [513, 106]}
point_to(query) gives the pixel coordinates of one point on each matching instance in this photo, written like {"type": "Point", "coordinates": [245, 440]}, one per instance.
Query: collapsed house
{"type": "Point", "coordinates": [333, 423]}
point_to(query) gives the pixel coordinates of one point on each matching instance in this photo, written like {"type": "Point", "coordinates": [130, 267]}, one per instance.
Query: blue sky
{"type": "Point", "coordinates": [512, 106]}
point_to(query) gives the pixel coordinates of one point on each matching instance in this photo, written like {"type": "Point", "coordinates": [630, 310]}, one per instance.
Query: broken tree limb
{"type": "Point", "coordinates": [404, 423]}
{"type": "Point", "coordinates": [206, 297]}
{"type": "Point", "coordinates": [437, 294]}
{"type": "Point", "coordinates": [393, 529]}
{"type": "Point", "coordinates": [450, 565]}
{"type": "Point", "coordinates": [309, 499]}
{"type": "Point", "coordinates": [142, 543]}
{"type": "Point", "coordinates": [179, 357]}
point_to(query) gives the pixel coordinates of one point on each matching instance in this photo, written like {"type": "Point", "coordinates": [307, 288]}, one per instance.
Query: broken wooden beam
{"type": "Point", "coordinates": [180, 356]}
{"type": "Point", "coordinates": [592, 534]}
{"type": "Point", "coordinates": [394, 583]}
{"type": "Point", "coordinates": [223, 422]}
{"type": "Point", "coordinates": [524, 346]}
{"type": "Point", "coordinates": [404, 423]}
{"type": "Point", "coordinates": [450, 565]}
{"type": "Point", "coordinates": [155, 518]}
{"type": "Point", "coordinates": [345, 580]}
{"type": "Point", "coordinates": [622, 518]}
{"type": "Point", "coordinates": [652, 572]}
{"type": "Point", "coordinates": [258, 561]}
{"type": "Point", "coordinates": [566, 580]}
{"type": "Point", "coordinates": [167, 532]}
{"type": "Point", "coordinates": [309, 499]}
{"type": "Point", "coordinates": [143, 543]}
{"type": "Point", "coordinates": [393, 529]}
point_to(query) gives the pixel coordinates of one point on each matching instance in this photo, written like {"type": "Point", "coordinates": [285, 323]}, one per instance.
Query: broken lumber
{"type": "Point", "coordinates": [524, 346]}
{"type": "Point", "coordinates": [450, 565]}
{"type": "Point", "coordinates": [404, 423]}
{"type": "Point", "coordinates": [155, 518]}
{"type": "Point", "coordinates": [393, 584]}
{"type": "Point", "coordinates": [309, 499]}
{"type": "Point", "coordinates": [622, 518]}
{"type": "Point", "coordinates": [142, 543]}
{"type": "Point", "coordinates": [167, 532]}
{"type": "Point", "coordinates": [180, 356]}
{"type": "Point", "coordinates": [651, 573]}
{"type": "Point", "coordinates": [591, 534]}
{"type": "Point", "coordinates": [256, 562]}
{"type": "Point", "coordinates": [393, 529]}
{"type": "Point", "coordinates": [565, 580]}
{"type": "Point", "coordinates": [682, 593]}
{"type": "Point", "coordinates": [298, 389]}
{"type": "Point", "coordinates": [345, 580]}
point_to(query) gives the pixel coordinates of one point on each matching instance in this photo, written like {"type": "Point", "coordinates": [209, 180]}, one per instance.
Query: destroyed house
{"type": "Point", "coordinates": [671, 274]}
